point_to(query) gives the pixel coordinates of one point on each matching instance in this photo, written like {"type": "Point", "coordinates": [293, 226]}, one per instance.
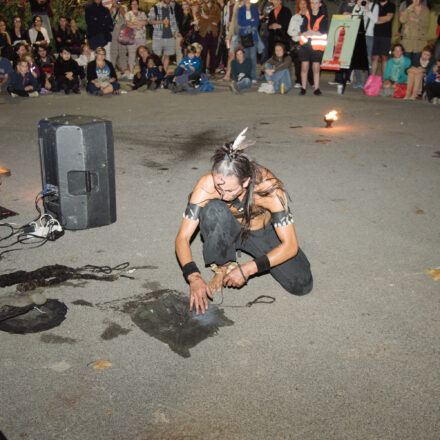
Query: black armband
{"type": "Point", "coordinates": [192, 211]}
{"type": "Point", "coordinates": [263, 263]}
{"type": "Point", "coordinates": [282, 218]}
{"type": "Point", "coordinates": [189, 269]}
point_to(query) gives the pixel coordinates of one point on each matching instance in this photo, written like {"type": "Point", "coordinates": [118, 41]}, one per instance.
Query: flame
{"type": "Point", "coordinates": [331, 116]}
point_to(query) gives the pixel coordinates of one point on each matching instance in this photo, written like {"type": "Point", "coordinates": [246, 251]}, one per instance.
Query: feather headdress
{"type": "Point", "coordinates": [240, 142]}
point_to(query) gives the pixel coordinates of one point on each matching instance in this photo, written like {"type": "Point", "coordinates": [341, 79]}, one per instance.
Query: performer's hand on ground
{"type": "Point", "coordinates": [199, 292]}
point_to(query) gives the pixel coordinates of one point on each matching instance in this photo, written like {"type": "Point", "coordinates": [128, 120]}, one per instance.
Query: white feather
{"type": "Point", "coordinates": [239, 139]}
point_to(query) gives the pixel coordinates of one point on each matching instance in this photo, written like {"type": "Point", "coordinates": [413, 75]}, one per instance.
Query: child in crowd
{"type": "Point", "coordinates": [5, 72]}
{"type": "Point", "coordinates": [46, 63]}
{"type": "Point", "coordinates": [420, 67]}
{"type": "Point", "coordinates": [433, 84]}
{"type": "Point", "coordinates": [67, 72]}
{"type": "Point", "coordinates": [33, 68]}
{"type": "Point", "coordinates": [189, 70]}
{"type": "Point", "coordinates": [87, 55]}
{"type": "Point", "coordinates": [277, 71]}
{"type": "Point", "coordinates": [241, 71]}
{"type": "Point", "coordinates": [140, 79]}
{"type": "Point", "coordinates": [189, 64]}
{"type": "Point", "coordinates": [395, 71]}
{"type": "Point", "coordinates": [22, 82]}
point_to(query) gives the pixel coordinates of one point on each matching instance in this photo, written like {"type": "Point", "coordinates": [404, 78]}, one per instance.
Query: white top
{"type": "Point", "coordinates": [33, 34]}
{"type": "Point", "coordinates": [83, 61]}
{"type": "Point", "coordinates": [370, 17]}
{"type": "Point", "coordinates": [130, 16]}
{"type": "Point", "coordinates": [295, 26]}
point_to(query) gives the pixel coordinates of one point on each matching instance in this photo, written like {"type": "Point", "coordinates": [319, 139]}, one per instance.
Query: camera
{"type": "Point", "coordinates": [363, 2]}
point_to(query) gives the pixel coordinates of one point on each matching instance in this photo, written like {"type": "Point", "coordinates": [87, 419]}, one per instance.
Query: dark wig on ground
{"type": "Point", "coordinates": [230, 162]}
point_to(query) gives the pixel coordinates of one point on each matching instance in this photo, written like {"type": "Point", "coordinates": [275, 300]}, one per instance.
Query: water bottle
{"type": "Point", "coordinates": [282, 88]}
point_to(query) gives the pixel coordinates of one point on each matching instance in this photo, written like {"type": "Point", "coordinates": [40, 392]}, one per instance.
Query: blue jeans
{"type": "Point", "coordinates": [91, 88]}
{"type": "Point", "coordinates": [251, 53]}
{"type": "Point", "coordinates": [278, 78]}
{"type": "Point", "coordinates": [244, 83]}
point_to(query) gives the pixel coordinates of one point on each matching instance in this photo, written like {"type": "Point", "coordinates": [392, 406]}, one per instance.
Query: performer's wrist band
{"type": "Point", "coordinates": [242, 273]}
{"type": "Point", "coordinates": [263, 264]}
{"type": "Point", "coordinates": [189, 269]}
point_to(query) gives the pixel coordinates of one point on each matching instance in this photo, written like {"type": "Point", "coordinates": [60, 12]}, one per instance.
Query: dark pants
{"type": "Point", "coordinates": [432, 90]}
{"type": "Point", "coordinates": [66, 84]}
{"type": "Point", "coordinates": [209, 43]}
{"type": "Point", "coordinates": [18, 92]}
{"type": "Point", "coordinates": [220, 229]}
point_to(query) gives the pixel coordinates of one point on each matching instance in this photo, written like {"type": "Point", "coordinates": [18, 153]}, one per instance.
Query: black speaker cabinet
{"type": "Point", "coordinates": [78, 169]}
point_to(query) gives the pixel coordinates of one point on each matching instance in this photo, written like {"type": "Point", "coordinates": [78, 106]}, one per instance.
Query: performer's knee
{"type": "Point", "coordinates": [214, 212]}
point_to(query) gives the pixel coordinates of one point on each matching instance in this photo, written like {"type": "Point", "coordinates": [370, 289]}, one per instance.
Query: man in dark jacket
{"type": "Point", "coordinates": [99, 24]}
{"type": "Point", "coordinates": [279, 19]}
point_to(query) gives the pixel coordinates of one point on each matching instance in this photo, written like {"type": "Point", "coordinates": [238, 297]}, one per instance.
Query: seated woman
{"type": "Point", "coordinates": [67, 72]}
{"type": "Point", "coordinates": [46, 64]}
{"type": "Point", "coordinates": [17, 32]}
{"type": "Point", "coordinates": [101, 75]}
{"type": "Point", "coordinates": [86, 56]}
{"type": "Point", "coordinates": [395, 71]}
{"type": "Point", "coordinates": [433, 84]}
{"type": "Point", "coordinates": [19, 50]}
{"type": "Point", "coordinates": [37, 34]}
{"type": "Point", "coordinates": [277, 71]}
{"type": "Point", "coordinates": [5, 40]}
{"type": "Point", "coordinates": [241, 71]}
{"type": "Point", "coordinates": [420, 67]}
{"type": "Point", "coordinates": [143, 55]}
{"type": "Point", "coordinates": [77, 38]}
{"type": "Point", "coordinates": [61, 34]}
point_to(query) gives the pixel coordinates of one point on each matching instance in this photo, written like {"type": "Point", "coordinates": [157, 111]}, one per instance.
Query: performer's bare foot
{"type": "Point", "coordinates": [216, 284]}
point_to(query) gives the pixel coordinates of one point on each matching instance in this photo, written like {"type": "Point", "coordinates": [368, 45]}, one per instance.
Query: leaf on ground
{"type": "Point", "coordinates": [323, 140]}
{"type": "Point", "coordinates": [107, 413]}
{"type": "Point", "coordinates": [435, 273]}
{"type": "Point", "coordinates": [351, 157]}
{"type": "Point", "coordinates": [101, 364]}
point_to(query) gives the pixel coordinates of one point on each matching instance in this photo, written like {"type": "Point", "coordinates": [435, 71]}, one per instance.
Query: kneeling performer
{"type": "Point", "coordinates": [240, 205]}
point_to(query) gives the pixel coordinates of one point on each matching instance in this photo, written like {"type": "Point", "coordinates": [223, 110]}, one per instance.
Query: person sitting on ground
{"type": "Point", "coordinates": [62, 34]}
{"type": "Point", "coordinates": [313, 40]}
{"type": "Point", "coordinates": [420, 67]}
{"type": "Point", "coordinates": [22, 82]}
{"type": "Point", "coordinates": [241, 71]}
{"type": "Point", "coordinates": [67, 72]}
{"type": "Point", "coordinates": [5, 72]}
{"type": "Point", "coordinates": [143, 54]}
{"type": "Point", "coordinates": [101, 75]}
{"type": "Point", "coordinates": [17, 33]}
{"type": "Point", "coordinates": [37, 34]}
{"type": "Point", "coordinates": [46, 64]}
{"type": "Point", "coordinates": [77, 38]}
{"type": "Point", "coordinates": [19, 50]}
{"type": "Point", "coordinates": [433, 84]}
{"type": "Point", "coordinates": [153, 74]}
{"type": "Point", "coordinates": [277, 72]}
{"type": "Point", "coordinates": [188, 70]}
{"type": "Point", "coordinates": [5, 39]}
{"type": "Point", "coordinates": [87, 55]}
{"type": "Point", "coordinates": [395, 71]}
{"type": "Point", "coordinates": [240, 205]}
{"type": "Point", "coordinates": [33, 67]}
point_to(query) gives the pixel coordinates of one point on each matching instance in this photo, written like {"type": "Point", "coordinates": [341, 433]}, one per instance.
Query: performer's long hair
{"type": "Point", "coordinates": [234, 162]}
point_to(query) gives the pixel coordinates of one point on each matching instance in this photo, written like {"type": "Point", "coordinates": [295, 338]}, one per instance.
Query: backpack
{"type": "Point", "coordinates": [373, 85]}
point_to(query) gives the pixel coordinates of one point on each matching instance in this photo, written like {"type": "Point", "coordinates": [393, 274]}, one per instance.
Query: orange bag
{"type": "Point", "coordinates": [400, 91]}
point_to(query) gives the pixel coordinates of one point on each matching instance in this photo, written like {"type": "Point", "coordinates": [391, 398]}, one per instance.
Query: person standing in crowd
{"type": "Point", "coordinates": [22, 82]}
{"type": "Point", "coordinates": [17, 32]}
{"type": "Point", "coordinates": [277, 72]}
{"type": "Point", "coordinates": [265, 8]}
{"type": "Point", "coordinates": [208, 18]}
{"type": "Point", "coordinates": [416, 20]}
{"type": "Point", "coordinates": [118, 52]}
{"type": "Point", "coordinates": [5, 72]}
{"type": "Point", "coordinates": [163, 19]}
{"type": "Point", "coordinates": [369, 13]}
{"type": "Point", "coordinates": [382, 35]}
{"type": "Point", "coordinates": [313, 40]}
{"type": "Point", "coordinates": [101, 75]}
{"type": "Point", "coordinates": [248, 21]}
{"type": "Point", "coordinates": [433, 84]}
{"type": "Point", "coordinates": [43, 10]}
{"type": "Point", "coordinates": [231, 33]}
{"type": "Point", "coordinates": [99, 25]}
{"type": "Point", "coordinates": [279, 19]}
{"type": "Point", "coordinates": [241, 71]}
{"type": "Point", "coordinates": [294, 30]}
{"type": "Point", "coordinates": [136, 20]}
{"type": "Point", "coordinates": [67, 72]}
{"type": "Point", "coordinates": [221, 52]}
{"type": "Point", "coordinates": [178, 13]}
{"type": "Point", "coordinates": [77, 38]}
{"type": "Point", "coordinates": [62, 37]}
{"type": "Point", "coordinates": [37, 34]}
{"type": "Point", "coordinates": [417, 72]}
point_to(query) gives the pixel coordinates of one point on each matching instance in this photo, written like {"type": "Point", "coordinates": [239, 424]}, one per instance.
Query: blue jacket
{"type": "Point", "coordinates": [433, 77]}
{"type": "Point", "coordinates": [247, 26]}
{"type": "Point", "coordinates": [19, 82]}
{"type": "Point", "coordinates": [403, 77]}
{"type": "Point", "coordinates": [153, 72]}
{"type": "Point", "coordinates": [193, 62]}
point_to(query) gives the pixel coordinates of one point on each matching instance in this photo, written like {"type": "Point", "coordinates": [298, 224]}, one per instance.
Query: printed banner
{"type": "Point", "coordinates": [340, 42]}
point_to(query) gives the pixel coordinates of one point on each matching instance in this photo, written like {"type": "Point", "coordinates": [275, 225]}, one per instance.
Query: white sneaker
{"type": "Point", "coordinates": [435, 101]}
{"type": "Point", "coordinates": [14, 95]}
{"type": "Point", "coordinates": [270, 90]}
{"type": "Point", "coordinates": [130, 76]}
{"type": "Point", "coordinates": [254, 81]}
{"type": "Point", "coordinates": [263, 87]}
{"type": "Point", "coordinates": [33, 94]}
{"type": "Point", "coordinates": [123, 92]}
{"type": "Point", "coordinates": [297, 86]}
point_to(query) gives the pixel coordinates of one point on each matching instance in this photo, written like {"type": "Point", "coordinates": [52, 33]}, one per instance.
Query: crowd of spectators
{"type": "Point", "coordinates": [207, 38]}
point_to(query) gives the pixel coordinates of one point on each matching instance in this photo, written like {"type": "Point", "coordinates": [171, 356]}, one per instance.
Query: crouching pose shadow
{"type": "Point", "coordinates": [240, 205]}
